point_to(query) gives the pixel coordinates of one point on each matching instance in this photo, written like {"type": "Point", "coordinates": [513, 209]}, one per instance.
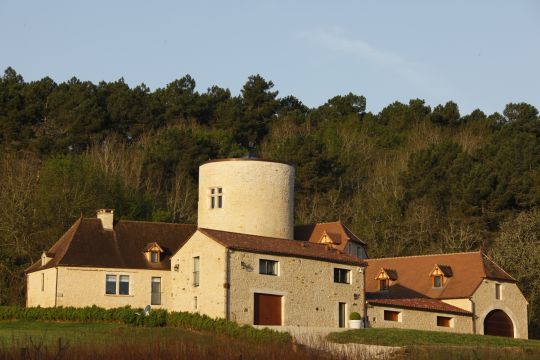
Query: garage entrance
{"type": "Point", "coordinates": [499, 324]}
{"type": "Point", "coordinates": [267, 309]}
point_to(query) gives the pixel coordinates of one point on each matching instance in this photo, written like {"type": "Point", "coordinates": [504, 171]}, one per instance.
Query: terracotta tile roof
{"type": "Point", "coordinates": [338, 232]}
{"type": "Point", "coordinates": [467, 269]}
{"type": "Point", "coordinates": [87, 244]}
{"type": "Point", "coordinates": [420, 304]}
{"type": "Point", "coordinates": [268, 245]}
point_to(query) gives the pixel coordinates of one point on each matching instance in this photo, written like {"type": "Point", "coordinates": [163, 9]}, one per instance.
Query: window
{"type": "Point", "coordinates": [383, 284]}
{"type": "Point", "coordinates": [195, 302]}
{"type": "Point", "coordinates": [110, 284]}
{"type": "Point", "coordinates": [42, 282]}
{"type": "Point", "coordinates": [342, 276]}
{"type": "Point", "coordinates": [437, 281]}
{"type": "Point", "coordinates": [392, 315]}
{"type": "Point", "coordinates": [216, 198]}
{"type": "Point", "coordinates": [156, 291]}
{"type": "Point", "coordinates": [154, 256]}
{"type": "Point", "coordinates": [268, 267]}
{"type": "Point", "coordinates": [498, 291]}
{"type": "Point", "coordinates": [359, 252]}
{"type": "Point", "coordinates": [123, 289]}
{"type": "Point", "coordinates": [444, 321]}
{"type": "Point", "coordinates": [196, 270]}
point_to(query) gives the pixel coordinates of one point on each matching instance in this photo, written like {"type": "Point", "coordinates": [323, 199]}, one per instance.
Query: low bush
{"type": "Point", "coordinates": [355, 316]}
{"type": "Point", "coordinates": [135, 317]}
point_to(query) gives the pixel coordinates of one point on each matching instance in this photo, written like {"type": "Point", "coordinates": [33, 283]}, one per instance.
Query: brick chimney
{"type": "Point", "coordinates": [107, 217]}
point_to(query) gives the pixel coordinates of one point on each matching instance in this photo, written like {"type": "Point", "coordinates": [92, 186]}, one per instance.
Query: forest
{"type": "Point", "coordinates": [410, 179]}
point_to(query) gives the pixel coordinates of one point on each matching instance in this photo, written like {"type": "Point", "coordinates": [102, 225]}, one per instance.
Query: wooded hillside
{"type": "Point", "coordinates": [409, 180]}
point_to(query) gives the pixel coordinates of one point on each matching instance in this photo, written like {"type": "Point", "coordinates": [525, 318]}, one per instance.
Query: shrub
{"type": "Point", "coordinates": [355, 316]}
{"type": "Point", "coordinates": [156, 318]}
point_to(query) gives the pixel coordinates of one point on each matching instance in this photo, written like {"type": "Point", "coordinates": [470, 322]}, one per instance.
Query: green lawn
{"type": "Point", "coordinates": [401, 337]}
{"type": "Point", "coordinates": [13, 332]}
{"type": "Point", "coordinates": [53, 340]}
{"type": "Point", "coordinates": [431, 345]}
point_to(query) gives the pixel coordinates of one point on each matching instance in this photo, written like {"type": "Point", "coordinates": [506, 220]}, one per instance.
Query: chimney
{"type": "Point", "coordinates": [107, 217]}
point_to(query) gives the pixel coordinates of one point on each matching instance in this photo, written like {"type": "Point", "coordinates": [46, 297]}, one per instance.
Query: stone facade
{"type": "Point", "coordinates": [419, 320]}
{"type": "Point", "coordinates": [512, 302]}
{"type": "Point", "coordinates": [80, 287]}
{"type": "Point", "coordinates": [229, 279]}
{"type": "Point", "coordinates": [252, 190]}
{"type": "Point", "coordinates": [209, 297]}
{"type": "Point", "coordinates": [309, 293]}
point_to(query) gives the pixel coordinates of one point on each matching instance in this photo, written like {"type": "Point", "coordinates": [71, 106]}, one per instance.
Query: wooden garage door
{"type": "Point", "coordinates": [499, 324]}
{"type": "Point", "coordinates": [267, 309]}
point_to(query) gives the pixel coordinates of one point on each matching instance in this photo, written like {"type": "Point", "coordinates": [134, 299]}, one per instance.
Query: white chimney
{"type": "Point", "coordinates": [107, 217]}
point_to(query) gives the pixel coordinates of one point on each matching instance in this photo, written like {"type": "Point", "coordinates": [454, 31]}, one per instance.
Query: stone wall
{"type": "Point", "coordinates": [258, 197]}
{"type": "Point", "coordinates": [210, 294]}
{"type": "Point", "coordinates": [512, 302]}
{"type": "Point", "coordinates": [419, 320]}
{"type": "Point", "coordinates": [310, 296]}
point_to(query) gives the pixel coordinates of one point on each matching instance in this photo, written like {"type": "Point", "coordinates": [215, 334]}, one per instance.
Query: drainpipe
{"type": "Point", "coordinates": [473, 308]}
{"type": "Point", "coordinates": [56, 288]}
{"type": "Point", "coordinates": [227, 283]}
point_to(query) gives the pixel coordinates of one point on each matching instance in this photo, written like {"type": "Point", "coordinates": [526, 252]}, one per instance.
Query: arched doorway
{"type": "Point", "coordinates": [499, 324]}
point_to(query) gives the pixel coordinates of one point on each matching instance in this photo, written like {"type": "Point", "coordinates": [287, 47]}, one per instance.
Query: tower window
{"type": "Point", "coordinates": [216, 198]}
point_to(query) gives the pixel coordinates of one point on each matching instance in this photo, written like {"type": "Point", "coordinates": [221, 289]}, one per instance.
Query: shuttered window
{"type": "Point", "coordinates": [390, 315]}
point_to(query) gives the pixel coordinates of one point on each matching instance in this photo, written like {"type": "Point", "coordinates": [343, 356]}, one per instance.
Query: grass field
{"type": "Point", "coordinates": [54, 340]}
{"type": "Point", "coordinates": [440, 345]}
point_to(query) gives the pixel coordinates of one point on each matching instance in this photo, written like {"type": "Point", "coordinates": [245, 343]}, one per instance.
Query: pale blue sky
{"type": "Point", "coordinates": [480, 54]}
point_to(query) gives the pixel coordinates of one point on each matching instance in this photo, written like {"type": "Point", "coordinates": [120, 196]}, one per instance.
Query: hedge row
{"type": "Point", "coordinates": [135, 317]}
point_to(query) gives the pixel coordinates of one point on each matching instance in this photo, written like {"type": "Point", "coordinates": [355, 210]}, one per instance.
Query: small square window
{"type": "Point", "coordinates": [444, 321]}
{"type": "Point", "coordinates": [342, 276]}
{"type": "Point", "coordinates": [123, 288]}
{"type": "Point", "coordinates": [268, 267]}
{"type": "Point", "coordinates": [110, 284]}
{"type": "Point", "coordinates": [392, 315]}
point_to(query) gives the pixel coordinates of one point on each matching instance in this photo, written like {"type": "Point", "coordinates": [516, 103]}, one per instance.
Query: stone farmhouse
{"type": "Point", "coordinates": [246, 261]}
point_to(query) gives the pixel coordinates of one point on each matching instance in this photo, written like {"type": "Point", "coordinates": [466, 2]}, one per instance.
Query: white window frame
{"type": "Point", "coordinates": [349, 276]}
{"type": "Point", "coordinates": [275, 267]}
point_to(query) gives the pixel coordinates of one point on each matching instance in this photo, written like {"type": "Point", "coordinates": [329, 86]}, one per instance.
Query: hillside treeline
{"type": "Point", "coordinates": [410, 179]}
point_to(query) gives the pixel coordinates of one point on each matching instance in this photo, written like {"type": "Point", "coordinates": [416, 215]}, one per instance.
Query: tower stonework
{"type": "Point", "coordinates": [249, 196]}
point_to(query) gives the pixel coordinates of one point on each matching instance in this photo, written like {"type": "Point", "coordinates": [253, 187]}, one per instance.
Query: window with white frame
{"type": "Point", "coordinates": [216, 198]}
{"type": "Point", "coordinates": [268, 267]}
{"type": "Point", "coordinates": [342, 276]}
{"type": "Point", "coordinates": [123, 288]}
{"type": "Point", "coordinates": [110, 284]}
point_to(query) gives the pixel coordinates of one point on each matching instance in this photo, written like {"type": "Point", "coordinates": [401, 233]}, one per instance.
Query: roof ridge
{"type": "Point", "coordinates": [146, 222]}
{"type": "Point", "coordinates": [426, 255]}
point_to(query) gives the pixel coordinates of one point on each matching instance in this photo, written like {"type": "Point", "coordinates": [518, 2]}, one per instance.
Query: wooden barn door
{"type": "Point", "coordinates": [499, 324]}
{"type": "Point", "coordinates": [267, 309]}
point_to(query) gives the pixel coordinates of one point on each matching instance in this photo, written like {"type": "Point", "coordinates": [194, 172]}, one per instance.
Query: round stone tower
{"type": "Point", "coordinates": [248, 196]}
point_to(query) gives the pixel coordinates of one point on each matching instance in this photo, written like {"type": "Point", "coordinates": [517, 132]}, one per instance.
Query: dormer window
{"type": "Point", "coordinates": [46, 257]}
{"type": "Point", "coordinates": [216, 198]}
{"type": "Point", "coordinates": [384, 277]}
{"type": "Point", "coordinates": [440, 275]}
{"type": "Point", "coordinates": [152, 252]}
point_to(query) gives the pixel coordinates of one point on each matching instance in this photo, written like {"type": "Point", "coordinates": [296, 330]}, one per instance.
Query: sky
{"type": "Point", "coordinates": [480, 54]}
